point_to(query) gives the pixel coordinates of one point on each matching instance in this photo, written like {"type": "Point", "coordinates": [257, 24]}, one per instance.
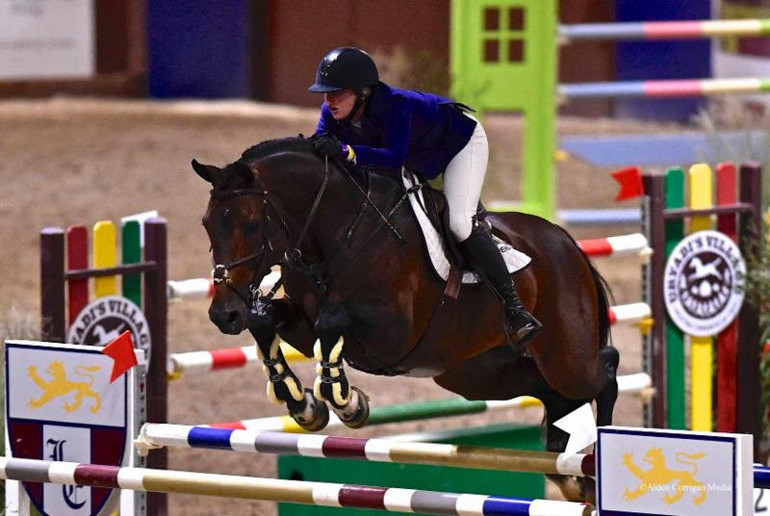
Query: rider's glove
{"type": "Point", "coordinates": [329, 146]}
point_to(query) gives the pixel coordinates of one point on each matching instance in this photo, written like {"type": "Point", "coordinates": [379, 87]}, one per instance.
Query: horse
{"type": "Point", "coordinates": [358, 286]}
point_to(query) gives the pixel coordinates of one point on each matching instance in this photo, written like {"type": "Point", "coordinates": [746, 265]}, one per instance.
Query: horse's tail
{"type": "Point", "coordinates": [603, 292]}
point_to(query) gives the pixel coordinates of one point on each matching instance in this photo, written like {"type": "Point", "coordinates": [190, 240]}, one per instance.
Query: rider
{"type": "Point", "coordinates": [365, 121]}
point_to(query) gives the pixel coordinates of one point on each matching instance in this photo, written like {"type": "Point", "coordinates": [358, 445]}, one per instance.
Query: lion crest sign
{"type": "Point", "coordinates": [644, 471]}
{"type": "Point", "coordinates": [61, 406]}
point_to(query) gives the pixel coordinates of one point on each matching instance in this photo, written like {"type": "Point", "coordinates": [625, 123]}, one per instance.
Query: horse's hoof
{"type": "Point", "coordinates": [357, 415]}
{"type": "Point", "coordinates": [315, 415]}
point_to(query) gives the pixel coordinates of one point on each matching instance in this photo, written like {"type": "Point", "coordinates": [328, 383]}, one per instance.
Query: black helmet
{"type": "Point", "coordinates": [345, 68]}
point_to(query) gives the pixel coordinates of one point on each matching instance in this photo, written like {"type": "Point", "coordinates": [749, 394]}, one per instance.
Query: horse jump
{"type": "Point", "coordinates": [153, 436]}
{"type": "Point", "coordinates": [289, 491]}
{"type": "Point", "coordinates": [636, 384]}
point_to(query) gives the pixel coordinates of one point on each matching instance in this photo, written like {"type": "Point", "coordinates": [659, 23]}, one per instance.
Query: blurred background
{"type": "Point", "coordinates": [103, 103]}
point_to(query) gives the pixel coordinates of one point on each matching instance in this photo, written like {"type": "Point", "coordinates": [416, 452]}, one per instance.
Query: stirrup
{"type": "Point", "coordinates": [520, 337]}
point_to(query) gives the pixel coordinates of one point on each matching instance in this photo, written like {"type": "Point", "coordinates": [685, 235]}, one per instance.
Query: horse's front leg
{"type": "Point", "coordinates": [349, 403]}
{"type": "Point", "coordinates": [283, 386]}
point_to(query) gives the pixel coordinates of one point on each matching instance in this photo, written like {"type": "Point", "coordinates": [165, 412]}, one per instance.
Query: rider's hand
{"type": "Point", "coordinates": [331, 147]}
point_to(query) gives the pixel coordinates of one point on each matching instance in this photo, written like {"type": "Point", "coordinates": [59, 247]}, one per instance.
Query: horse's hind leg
{"type": "Point", "coordinates": [283, 385]}
{"type": "Point", "coordinates": [582, 488]}
{"type": "Point", "coordinates": [556, 407]}
{"type": "Point", "coordinates": [605, 401]}
{"type": "Point", "coordinates": [349, 403]}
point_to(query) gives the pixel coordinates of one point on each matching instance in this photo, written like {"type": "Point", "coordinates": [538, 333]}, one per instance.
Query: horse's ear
{"type": "Point", "coordinates": [207, 172]}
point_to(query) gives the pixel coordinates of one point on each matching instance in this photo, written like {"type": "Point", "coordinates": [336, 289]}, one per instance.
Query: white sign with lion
{"type": "Point", "coordinates": [648, 471]}
{"type": "Point", "coordinates": [61, 406]}
{"type": "Point", "coordinates": [46, 384]}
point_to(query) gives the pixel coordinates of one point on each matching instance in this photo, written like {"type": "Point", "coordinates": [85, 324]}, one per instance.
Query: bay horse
{"type": "Point", "coordinates": [358, 281]}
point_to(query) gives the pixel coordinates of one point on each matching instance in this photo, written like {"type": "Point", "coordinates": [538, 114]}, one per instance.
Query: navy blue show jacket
{"type": "Point", "coordinates": [400, 127]}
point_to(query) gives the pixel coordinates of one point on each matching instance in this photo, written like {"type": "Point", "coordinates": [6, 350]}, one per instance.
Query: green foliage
{"type": "Point", "coordinates": [758, 294]}
{"type": "Point", "coordinates": [752, 144]}
{"type": "Point", "coordinates": [732, 115]}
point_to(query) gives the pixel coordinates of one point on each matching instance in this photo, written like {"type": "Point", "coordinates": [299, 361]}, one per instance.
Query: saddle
{"type": "Point", "coordinates": [431, 210]}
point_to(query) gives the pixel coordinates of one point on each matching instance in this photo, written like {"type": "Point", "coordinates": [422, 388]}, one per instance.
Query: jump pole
{"type": "Point", "coordinates": [668, 30]}
{"type": "Point", "coordinates": [275, 490]}
{"type": "Point", "coordinates": [637, 383]}
{"type": "Point", "coordinates": [153, 436]}
{"type": "Point", "coordinates": [672, 88]}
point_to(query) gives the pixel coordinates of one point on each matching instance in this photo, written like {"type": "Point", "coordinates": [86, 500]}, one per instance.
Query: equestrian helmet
{"type": "Point", "coordinates": [345, 68]}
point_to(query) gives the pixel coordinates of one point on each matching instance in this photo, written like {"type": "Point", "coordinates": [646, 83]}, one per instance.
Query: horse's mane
{"type": "Point", "coordinates": [270, 147]}
{"type": "Point", "coordinates": [234, 170]}
{"type": "Point", "coordinates": [298, 144]}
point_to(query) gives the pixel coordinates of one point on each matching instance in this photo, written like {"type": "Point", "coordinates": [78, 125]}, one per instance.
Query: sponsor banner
{"type": "Point", "coordinates": [61, 406]}
{"type": "Point", "coordinates": [704, 283]}
{"type": "Point", "coordinates": [47, 39]}
{"type": "Point", "coordinates": [49, 385]}
{"type": "Point", "coordinates": [648, 471]}
{"type": "Point", "coordinates": [105, 319]}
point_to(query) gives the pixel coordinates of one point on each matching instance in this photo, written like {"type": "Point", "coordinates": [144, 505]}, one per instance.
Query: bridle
{"type": "Point", "coordinates": [293, 256]}
{"type": "Point", "coordinates": [221, 272]}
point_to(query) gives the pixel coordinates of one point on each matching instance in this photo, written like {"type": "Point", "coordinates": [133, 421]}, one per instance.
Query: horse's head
{"type": "Point", "coordinates": [246, 238]}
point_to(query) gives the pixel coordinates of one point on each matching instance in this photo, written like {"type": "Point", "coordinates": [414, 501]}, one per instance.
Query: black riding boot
{"type": "Point", "coordinates": [486, 259]}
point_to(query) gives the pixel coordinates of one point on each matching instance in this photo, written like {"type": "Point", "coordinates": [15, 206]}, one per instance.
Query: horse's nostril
{"type": "Point", "coordinates": [232, 317]}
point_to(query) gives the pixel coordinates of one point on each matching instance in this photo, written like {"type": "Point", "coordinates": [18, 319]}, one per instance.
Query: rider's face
{"type": "Point", "coordinates": [340, 103]}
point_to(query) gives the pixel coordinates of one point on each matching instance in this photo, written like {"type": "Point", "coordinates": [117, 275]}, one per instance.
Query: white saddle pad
{"type": "Point", "coordinates": [514, 259]}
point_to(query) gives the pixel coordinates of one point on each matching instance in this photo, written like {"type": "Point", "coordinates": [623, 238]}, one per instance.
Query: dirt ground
{"type": "Point", "coordinates": [65, 161]}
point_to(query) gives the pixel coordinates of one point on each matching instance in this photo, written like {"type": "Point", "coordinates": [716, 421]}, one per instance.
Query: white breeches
{"type": "Point", "coordinates": [463, 180]}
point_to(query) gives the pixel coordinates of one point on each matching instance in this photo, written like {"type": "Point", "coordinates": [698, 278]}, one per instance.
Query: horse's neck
{"type": "Point", "coordinates": [295, 189]}
{"type": "Point", "coordinates": [339, 208]}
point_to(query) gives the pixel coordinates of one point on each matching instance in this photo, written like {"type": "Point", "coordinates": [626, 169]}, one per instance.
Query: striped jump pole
{"type": "Point", "coordinates": [632, 313]}
{"type": "Point", "coordinates": [632, 244]}
{"type": "Point", "coordinates": [687, 29]}
{"type": "Point", "coordinates": [761, 477]}
{"type": "Point", "coordinates": [599, 217]}
{"type": "Point", "coordinates": [154, 436]}
{"type": "Point", "coordinates": [199, 362]}
{"type": "Point", "coordinates": [400, 413]}
{"type": "Point", "coordinates": [275, 490]}
{"type": "Point", "coordinates": [203, 288]}
{"type": "Point", "coordinates": [673, 88]}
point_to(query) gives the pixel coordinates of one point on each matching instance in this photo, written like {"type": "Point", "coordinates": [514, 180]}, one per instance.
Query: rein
{"type": "Point", "coordinates": [293, 255]}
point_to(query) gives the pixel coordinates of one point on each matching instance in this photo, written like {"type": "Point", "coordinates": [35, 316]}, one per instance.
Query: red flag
{"type": "Point", "coordinates": [630, 180]}
{"type": "Point", "coordinates": [121, 350]}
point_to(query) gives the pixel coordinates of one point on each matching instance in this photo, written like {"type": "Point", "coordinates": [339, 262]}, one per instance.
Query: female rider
{"type": "Point", "coordinates": [368, 122]}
